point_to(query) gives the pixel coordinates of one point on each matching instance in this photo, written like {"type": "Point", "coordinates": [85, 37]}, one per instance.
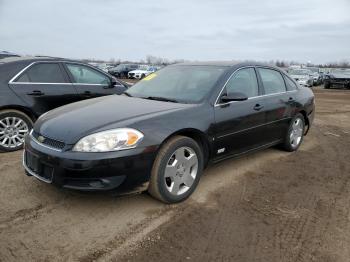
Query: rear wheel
{"type": "Point", "coordinates": [14, 125]}
{"type": "Point", "coordinates": [327, 85]}
{"type": "Point", "coordinates": [176, 170]}
{"type": "Point", "coordinates": [295, 134]}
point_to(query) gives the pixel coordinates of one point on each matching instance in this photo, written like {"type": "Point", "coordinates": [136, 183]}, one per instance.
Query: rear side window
{"type": "Point", "coordinates": [43, 73]}
{"type": "Point", "coordinates": [290, 84]}
{"type": "Point", "coordinates": [85, 75]}
{"type": "Point", "coordinates": [243, 81]}
{"type": "Point", "coordinates": [272, 80]}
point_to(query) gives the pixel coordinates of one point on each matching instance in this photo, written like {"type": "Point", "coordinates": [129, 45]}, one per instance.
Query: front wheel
{"type": "Point", "coordinates": [176, 170]}
{"type": "Point", "coordinates": [14, 125]}
{"type": "Point", "coordinates": [295, 134]}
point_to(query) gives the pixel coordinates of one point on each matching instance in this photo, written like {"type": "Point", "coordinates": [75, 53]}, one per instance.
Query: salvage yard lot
{"type": "Point", "coordinates": [262, 207]}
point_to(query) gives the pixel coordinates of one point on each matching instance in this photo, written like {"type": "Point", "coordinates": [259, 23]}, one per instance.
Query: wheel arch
{"type": "Point", "coordinates": [198, 136]}
{"type": "Point", "coordinates": [307, 122]}
{"type": "Point", "coordinates": [22, 109]}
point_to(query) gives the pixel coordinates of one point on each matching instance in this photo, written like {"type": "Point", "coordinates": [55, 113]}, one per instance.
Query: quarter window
{"type": "Point", "coordinates": [243, 81]}
{"type": "Point", "coordinates": [43, 73]}
{"type": "Point", "coordinates": [272, 80]}
{"type": "Point", "coordinates": [85, 75]}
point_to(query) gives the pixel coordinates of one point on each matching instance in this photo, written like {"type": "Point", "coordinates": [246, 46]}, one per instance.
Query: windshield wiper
{"type": "Point", "coordinates": [161, 99]}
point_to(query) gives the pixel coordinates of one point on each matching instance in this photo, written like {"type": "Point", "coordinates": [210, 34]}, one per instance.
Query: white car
{"type": "Point", "coordinates": [142, 72]}
{"type": "Point", "coordinates": [303, 76]}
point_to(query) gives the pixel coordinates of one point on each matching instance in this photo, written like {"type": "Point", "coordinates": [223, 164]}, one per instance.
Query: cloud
{"type": "Point", "coordinates": [310, 30]}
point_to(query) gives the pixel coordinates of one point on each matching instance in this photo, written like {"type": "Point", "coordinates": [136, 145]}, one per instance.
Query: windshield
{"type": "Point", "coordinates": [341, 71]}
{"type": "Point", "coordinates": [184, 84]}
{"type": "Point", "coordinates": [299, 72]}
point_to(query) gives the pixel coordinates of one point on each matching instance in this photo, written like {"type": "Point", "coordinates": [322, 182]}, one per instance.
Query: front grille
{"type": "Point", "coordinates": [131, 74]}
{"type": "Point", "coordinates": [48, 141]}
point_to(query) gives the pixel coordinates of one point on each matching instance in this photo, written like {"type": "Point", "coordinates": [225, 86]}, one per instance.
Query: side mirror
{"type": "Point", "coordinates": [113, 82]}
{"type": "Point", "coordinates": [234, 97]}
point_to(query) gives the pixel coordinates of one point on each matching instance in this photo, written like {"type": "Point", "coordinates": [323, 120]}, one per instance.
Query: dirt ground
{"type": "Point", "coordinates": [267, 206]}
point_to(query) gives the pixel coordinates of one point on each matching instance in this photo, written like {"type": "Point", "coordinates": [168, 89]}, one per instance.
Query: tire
{"type": "Point", "coordinates": [142, 76]}
{"type": "Point", "coordinates": [327, 85]}
{"type": "Point", "coordinates": [296, 127]}
{"type": "Point", "coordinates": [8, 120]}
{"type": "Point", "coordinates": [175, 165]}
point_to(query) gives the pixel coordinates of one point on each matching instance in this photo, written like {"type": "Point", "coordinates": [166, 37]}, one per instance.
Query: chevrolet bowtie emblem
{"type": "Point", "coordinates": [41, 139]}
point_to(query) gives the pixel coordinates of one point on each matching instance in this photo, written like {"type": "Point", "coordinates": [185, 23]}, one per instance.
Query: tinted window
{"type": "Point", "coordinates": [290, 84]}
{"type": "Point", "coordinates": [43, 73]}
{"type": "Point", "coordinates": [189, 84]}
{"type": "Point", "coordinates": [85, 75]}
{"type": "Point", "coordinates": [272, 81]}
{"type": "Point", "coordinates": [244, 81]}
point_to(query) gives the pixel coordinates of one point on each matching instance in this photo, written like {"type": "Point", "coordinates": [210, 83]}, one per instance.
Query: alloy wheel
{"type": "Point", "coordinates": [12, 132]}
{"type": "Point", "coordinates": [181, 171]}
{"type": "Point", "coordinates": [296, 132]}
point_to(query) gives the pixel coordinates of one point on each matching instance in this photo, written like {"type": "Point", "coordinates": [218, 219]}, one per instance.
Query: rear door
{"type": "Point", "coordinates": [279, 103]}
{"type": "Point", "coordinates": [90, 82]}
{"type": "Point", "coordinates": [239, 125]}
{"type": "Point", "coordinates": [44, 86]}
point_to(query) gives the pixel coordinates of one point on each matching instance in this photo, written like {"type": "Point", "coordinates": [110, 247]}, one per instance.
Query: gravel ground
{"type": "Point", "coordinates": [267, 206]}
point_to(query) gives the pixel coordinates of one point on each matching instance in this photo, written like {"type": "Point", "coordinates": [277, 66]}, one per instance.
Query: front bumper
{"type": "Point", "coordinates": [124, 170]}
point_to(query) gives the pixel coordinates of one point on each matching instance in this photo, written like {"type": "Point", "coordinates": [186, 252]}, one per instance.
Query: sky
{"type": "Point", "coordinates": [316, 31]}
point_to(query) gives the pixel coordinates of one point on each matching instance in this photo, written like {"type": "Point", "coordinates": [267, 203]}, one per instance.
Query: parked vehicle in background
{"type": "Point", "coordinates": [316, 75]}
{"type": "Point", "coordinates": [4, 54]}
{"type": "Point", "coordinates": [142, 72]}
{"type": "Point", "coordinates": [186, 116]}
{"type": "Point", "coordinates": [31, 86]}
{"type": "Point", "coordinates": [337, 78]}
{"type": "Point", "coordinates": [122, 70]}
{"type": "Point", "coordinates": [304, 77]}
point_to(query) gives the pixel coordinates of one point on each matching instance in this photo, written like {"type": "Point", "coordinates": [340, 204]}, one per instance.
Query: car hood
{"type": "Point", "coordinates": [340, 75]}
{"type": "Point", "coordinates": [138, 71]}
{"type": "Point", "coordinates": [74, 121]}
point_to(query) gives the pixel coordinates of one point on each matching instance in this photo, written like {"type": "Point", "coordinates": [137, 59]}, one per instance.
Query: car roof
{"type": "Point", "coordinates": [34, 59]}
{"type": "Point", "coordinates": [235, 64]}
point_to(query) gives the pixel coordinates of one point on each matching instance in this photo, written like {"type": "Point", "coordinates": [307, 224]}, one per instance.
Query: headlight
{"type": "Point", "coordinates": [111, 140]}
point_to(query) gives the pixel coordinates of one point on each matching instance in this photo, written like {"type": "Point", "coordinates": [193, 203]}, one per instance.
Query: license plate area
{"type": "Point", "coordinates": [37, 168]}
{"type": "Point", "coordinates": [32, 162]}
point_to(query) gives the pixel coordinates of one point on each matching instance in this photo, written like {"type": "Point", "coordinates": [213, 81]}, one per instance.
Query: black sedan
{"type": "Point", "coordinates": [31, 86]}
{"type": "Point", "coordinates": [337, 78]}
{"type": "Point", "coordinates": [164, 131]}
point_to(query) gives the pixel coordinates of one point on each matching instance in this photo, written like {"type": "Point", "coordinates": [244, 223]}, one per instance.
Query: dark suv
{"type": "Point", "coordinates": [122, 70]}
{"type": "Point", "coordinates": [31, 86]}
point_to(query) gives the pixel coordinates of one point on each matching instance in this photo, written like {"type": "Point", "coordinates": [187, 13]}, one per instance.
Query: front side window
{"type": "Point", "coordinates": [85, 75]}
{"type": "Point", "coordinates": [272, 80]}
{"type": "Point", "coordinates": [245, 82]}
{"type": "Point", "coordinates": [187, 84]}
{"type": "Point", "coordinates": [43, 73]}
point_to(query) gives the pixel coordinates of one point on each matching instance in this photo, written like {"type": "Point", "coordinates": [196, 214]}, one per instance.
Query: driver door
{"type": "Point", "coordinates": [240, 125]}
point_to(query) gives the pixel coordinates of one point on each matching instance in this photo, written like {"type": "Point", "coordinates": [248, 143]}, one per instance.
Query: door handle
{"type": "Point", "coordinates": [36, 93]}
{"type": "Point", "coordinates": [258, 107]}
